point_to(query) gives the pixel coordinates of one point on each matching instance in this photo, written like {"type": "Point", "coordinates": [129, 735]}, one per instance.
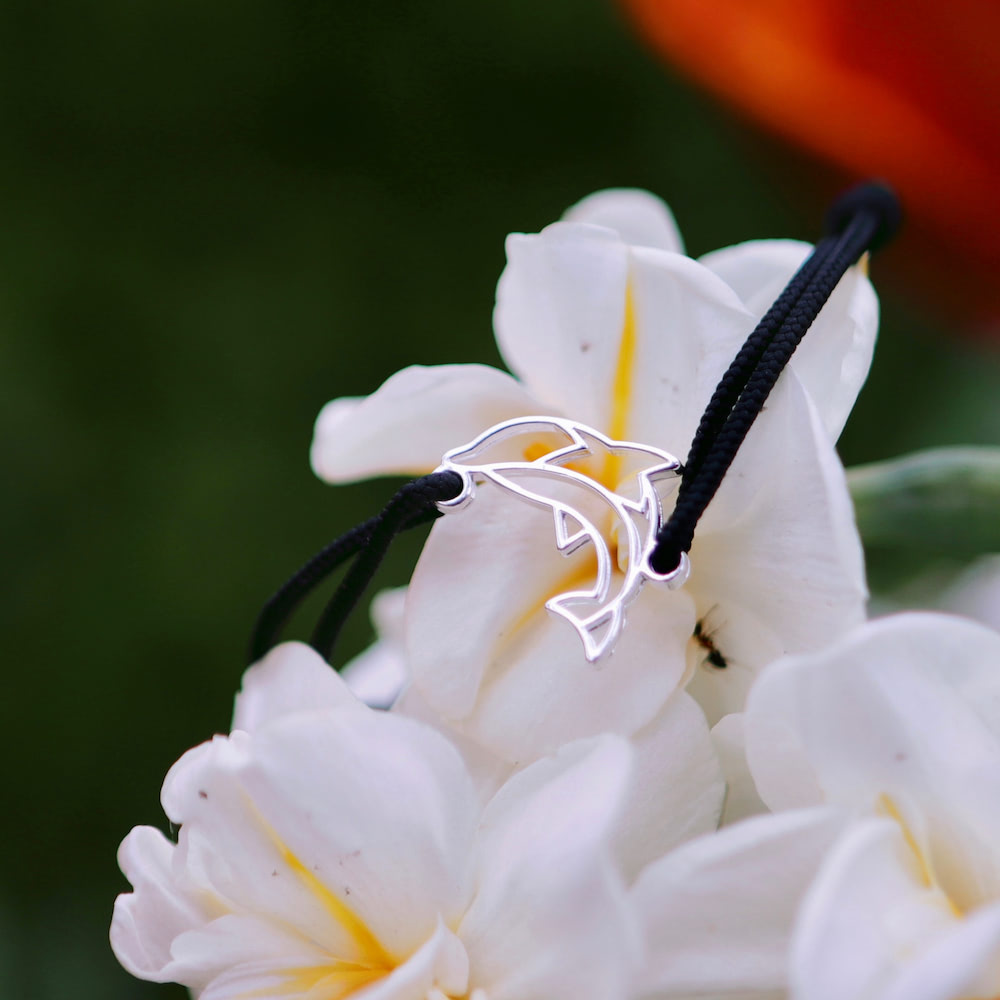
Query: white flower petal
{"type": "Point", "coordinates": [248, 951]}
{"type": "Point", "coordinates": [575, 796]}
{"type": "Point", "coordinates": [639, 218]}
{"type": "Point", "coordinates": [688, 327]}
{"type": "Point", "coordinates": [487, 656]}
{"type": "Point", "coordinates": [255, 958]}
{"type": "Point", "coordinates": [322, 849]}
{"type": "Point", "coordinates": [746, 639]}
{"type": "Point", "coordinates": [482, 571]}
{"type": "Point", "coordinates": [261, 978]}
{"type": "Point", "coordinates": [559, 314]}
{"type": "Point", "coordinates": [441, 964]}
{"type": "Point", "coordinates": [292, 677]}
{"type": "Point", "coordinates": [718, 912]}
{"type": "Point", "coordinates": [379, 674]}
{"type": "Point", "coordinates": [742, 799]}
{"type": "Point", "coordinates": [963, 961]}
{"type": "Point", "coordinates": [675, 792]}
{"type": "Point", "coordinates": [147, 920]}
{"type": "Point", "coordinates": [867, 914]}
{"type": "Point", "coordinates": [550, 918]}
{"type": "Point", "coordinates": [833, 359]}
{"type": "Point", "coordinates": [631, 342]}
{"type": "Point", "coordinates": [487, 771]}
{"type": "Point", "coordinates": [677, 787]}
{"type": "Point", "coordinates": [546, 694]}
{"type": "Point", "coordinates": [777, 561]}
{"type": "Point", "coordinates": [413, 419]}
{"type": "Point", "coordinates": [906, 707]}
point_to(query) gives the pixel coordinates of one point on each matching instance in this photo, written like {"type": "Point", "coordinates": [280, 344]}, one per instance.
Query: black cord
{"type": "Point", "coordinates": [412, 505]}
{"type": "Point", "coordinates": [733, 382]}
{"type": "Point", "coordinates": [862, 219]}
{"type": "Point", "coordinates": [282, 603]}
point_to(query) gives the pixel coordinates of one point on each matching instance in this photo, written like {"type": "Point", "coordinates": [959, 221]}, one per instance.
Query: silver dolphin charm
{"type": "Point", "coordinates": [597, 616]}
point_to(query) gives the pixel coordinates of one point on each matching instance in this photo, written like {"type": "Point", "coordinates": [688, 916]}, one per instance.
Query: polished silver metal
{"type": "Point", "coordinates": [596, 614]}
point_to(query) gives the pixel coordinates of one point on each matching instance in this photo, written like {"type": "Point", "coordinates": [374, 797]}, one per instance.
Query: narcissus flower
{"type": "Point", "coordinates": [603, 320]}
{"type": "Point", "coordinates": [881, 758]}
{"type": "Point", "coordinates": [898, 723]}
{"type": "Point", "coordinates": [327, 850]}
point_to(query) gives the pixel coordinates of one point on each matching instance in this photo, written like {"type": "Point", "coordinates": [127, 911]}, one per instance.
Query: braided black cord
{"type": "Point", "coordinates": [733, 382]}
{"type": "Point", "coordinates": [283, 602]}
{"type": "Point", "coordinates": [417, 508]}
{"type": "Point", "coordinates": [865, 217]}
{"type": "Point", "coordinates": [413, 504]}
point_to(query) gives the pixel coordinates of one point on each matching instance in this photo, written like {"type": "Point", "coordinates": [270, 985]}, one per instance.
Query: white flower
{"type": "Point", "coordinates": [899, 723]}
{"type": "Point", "coordinates": [326, 850]}
{"type": "Point", "coordinates": [878, 876]}
{"type": "Point", "coordinates": [611, 326]}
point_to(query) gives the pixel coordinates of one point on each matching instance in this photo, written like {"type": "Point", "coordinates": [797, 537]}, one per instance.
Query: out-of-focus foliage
{"type": "Point", "coordinates": [901, 89]}
{"type": "Point", "coordinates": [943, 503]}
{"type": "Point", "coordinates": [216, 217]}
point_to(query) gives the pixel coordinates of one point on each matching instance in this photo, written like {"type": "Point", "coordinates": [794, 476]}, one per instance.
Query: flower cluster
{"type": "Point", "coordinates": [758, 795]}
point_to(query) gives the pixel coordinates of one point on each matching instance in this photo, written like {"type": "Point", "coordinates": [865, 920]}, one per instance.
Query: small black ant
{"type": "Point", "coordinates": [705, 641]}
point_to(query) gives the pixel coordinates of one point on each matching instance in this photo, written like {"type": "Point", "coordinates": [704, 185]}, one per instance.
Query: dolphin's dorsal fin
{"type": "Point", "coordinates": [571, 532]}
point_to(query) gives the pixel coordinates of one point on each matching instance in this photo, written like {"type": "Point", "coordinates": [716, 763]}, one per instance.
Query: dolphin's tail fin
{"type": "Point", "coordinates": [599, 629]}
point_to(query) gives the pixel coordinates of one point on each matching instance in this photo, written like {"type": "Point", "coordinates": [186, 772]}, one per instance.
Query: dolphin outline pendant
{"type": "Point", "coordinates": [600, 629]}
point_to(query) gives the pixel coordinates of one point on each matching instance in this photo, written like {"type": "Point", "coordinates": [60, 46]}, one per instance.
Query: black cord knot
{"type": "Point", "coordinates": [874, 199]}
{"type": "Point", "coordinates": [420, 494]}
{"type": "Point", "coordinates": [666, 556]}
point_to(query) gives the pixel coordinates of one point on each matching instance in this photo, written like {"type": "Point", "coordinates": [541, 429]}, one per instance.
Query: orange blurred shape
{"type": "Point", "coordinates": [906, 90]}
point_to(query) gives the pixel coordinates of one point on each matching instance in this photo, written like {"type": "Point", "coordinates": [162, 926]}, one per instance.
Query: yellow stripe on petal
{"type": "Point", "coordinates": [371, 955]}
{"type": "Point", "coordinates": [578, 578]}
{"type": "Point", "coordinates": [367, 944]}
{"type": "Point", "coordinates": [328, 981]}
{"type": "Point", "coordinates": [621, 389]}
{"type": "Point", "coordinates": [889, 808]}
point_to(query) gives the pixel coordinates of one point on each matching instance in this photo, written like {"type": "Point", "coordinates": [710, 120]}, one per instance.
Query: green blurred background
{"type": "Point", "coordinates": [218, 216]}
